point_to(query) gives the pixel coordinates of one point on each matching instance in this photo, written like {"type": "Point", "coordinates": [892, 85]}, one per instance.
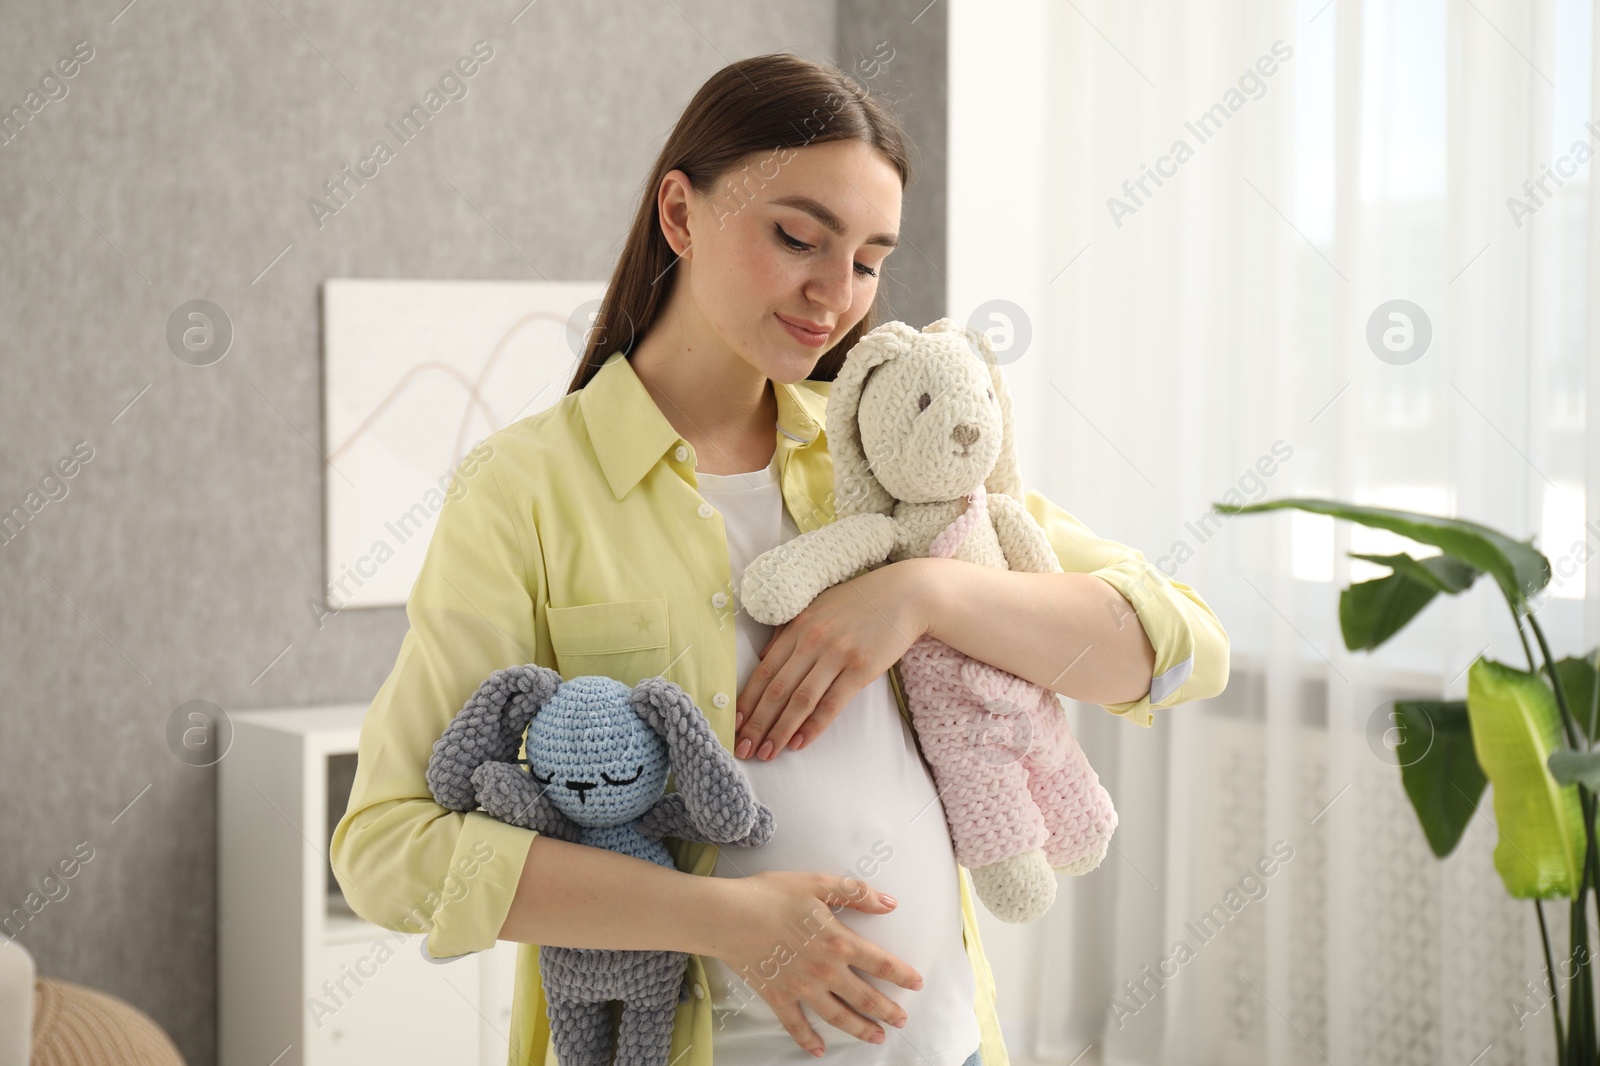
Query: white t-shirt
{"type": "Point", "coordinates": [858, 801]}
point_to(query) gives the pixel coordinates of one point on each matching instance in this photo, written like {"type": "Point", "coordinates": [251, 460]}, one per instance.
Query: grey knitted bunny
{"type": "Point", "coordinates": [598, 754]}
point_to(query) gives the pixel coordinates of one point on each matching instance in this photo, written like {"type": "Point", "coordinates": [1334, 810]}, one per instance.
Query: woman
{"type": "Point", "coordinates": [605, 535]}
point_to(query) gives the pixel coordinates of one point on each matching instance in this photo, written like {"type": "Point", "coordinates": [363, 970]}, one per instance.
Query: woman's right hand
{"type": "Point", "coordinates": [756, 937]}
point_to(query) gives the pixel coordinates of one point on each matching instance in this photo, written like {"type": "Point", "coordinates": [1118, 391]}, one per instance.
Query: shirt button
{"type": "Point", "coordinates": [681, 453]}
{"type": "Point", "coordinates": [719, 599]}
{"type": "Point", "coordinates": [720, 699]}
{"type": "Point", "coordinates": [706, 510]}
{"type": "Point", "coordinates": [699, 993]}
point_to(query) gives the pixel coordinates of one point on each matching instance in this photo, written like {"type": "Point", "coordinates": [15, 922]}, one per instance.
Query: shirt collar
{"type": "Point", "coordinates": [629, 433]}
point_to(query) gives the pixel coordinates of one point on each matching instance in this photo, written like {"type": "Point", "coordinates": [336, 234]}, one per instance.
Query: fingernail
{"type": "Point", "coordinates": [738, 720]}
{"type": "Point", "coordinates": [890, 900]}
{"type": "Point", "coordinates": [900, 1024]}
{"type": "Point", "coordinates": [796, 740]}
{"type": "Point", "coordinates": [878, 1037]}
{"type": "Point", "coordinates": [766, 750]}
{"type": "Point", "coordinates": [916, 985]}
{"type": "Point", "coordinates": [743, 748]}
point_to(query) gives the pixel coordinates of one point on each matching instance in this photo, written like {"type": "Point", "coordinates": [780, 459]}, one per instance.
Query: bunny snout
{"type": "Point", "coordinates": [966, 433]}
{"type": "Point", "coordinates": [581, 788]}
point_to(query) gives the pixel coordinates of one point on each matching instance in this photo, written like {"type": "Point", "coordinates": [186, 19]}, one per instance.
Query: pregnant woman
{"type": "Point", "coordinates": [604, 535]}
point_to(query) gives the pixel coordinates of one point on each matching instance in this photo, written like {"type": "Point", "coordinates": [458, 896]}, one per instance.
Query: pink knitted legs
{"type": "Point", "coordinates": [976, 758]}
{"type": "Point", "coordinates": [1068, 792]}
{"type": "Point", "coordinates": [1075, 805]}
{"type": "Point", "coordinates": [989, 735]}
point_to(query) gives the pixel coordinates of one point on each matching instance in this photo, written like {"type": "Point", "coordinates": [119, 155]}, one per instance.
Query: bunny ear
{"type": "Point", "coordinates": [856, 489]}
{"type": "Point", "coordinates": [487, 729]}
{"type": "Point", "coordinates": [1005, 477]}
{"type": "Point", "coordinates": [715, 793]}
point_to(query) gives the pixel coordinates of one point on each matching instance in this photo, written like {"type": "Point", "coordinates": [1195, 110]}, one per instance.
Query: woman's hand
{"type": "Point", "coordinates": [819, 659]}
{"type": "Point", "coordinates": [759, 920]}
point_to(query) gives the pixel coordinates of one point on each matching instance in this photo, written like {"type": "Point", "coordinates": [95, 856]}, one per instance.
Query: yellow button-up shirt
{"type": "Point", "coordinates": [576, 539]}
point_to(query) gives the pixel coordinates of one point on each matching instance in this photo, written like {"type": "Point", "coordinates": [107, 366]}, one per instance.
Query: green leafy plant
{"type": "Point", "coordinates": [1531, 733]}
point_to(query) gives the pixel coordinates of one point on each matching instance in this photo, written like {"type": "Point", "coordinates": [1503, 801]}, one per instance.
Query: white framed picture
{"type": "Point", "coordinates": [415, 374]}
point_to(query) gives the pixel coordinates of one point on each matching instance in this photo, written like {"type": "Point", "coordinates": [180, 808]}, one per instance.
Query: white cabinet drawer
{"type": "Point", "coordinates": [499, 983]}
{"type": "Point", "coordinates": [380, 1003]}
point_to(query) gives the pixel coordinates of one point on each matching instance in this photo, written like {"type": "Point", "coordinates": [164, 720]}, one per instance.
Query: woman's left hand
{"type": "Point", "coordinates": [817, 661]}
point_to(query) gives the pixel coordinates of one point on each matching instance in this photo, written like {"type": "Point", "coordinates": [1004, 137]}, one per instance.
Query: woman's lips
{"type": "Point", "coordinates": [807, 337]}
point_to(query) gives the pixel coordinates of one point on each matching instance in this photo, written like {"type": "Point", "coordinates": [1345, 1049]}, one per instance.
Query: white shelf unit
{"type": "Point", "coordinates": [304, 981]}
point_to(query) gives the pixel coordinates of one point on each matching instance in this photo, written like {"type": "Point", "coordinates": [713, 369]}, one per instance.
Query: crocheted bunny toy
{"type": "Point", "coordinates": [924, 464]}
{"type": "Point", "coordinates": [598, 755]}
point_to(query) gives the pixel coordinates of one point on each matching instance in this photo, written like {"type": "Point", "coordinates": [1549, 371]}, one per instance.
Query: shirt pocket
{"type": "Point", "coordinates": [622, 639]}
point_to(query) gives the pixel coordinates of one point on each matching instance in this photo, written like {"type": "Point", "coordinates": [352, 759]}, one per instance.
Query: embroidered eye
{"type": "Point", "coordinates": [991, 394]}
{"type": "Point", "coordinates": [613, 781]}
{"type": "Point", "coordinates": [923, 401]}
{"type": "Point", "coordinates": [542, 780]}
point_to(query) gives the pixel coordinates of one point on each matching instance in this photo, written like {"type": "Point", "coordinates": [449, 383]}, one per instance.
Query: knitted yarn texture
{"type": "Point", "coordinates": [989, 735]}
{"type": "Point", "coordinates": [598, 758]}
{"type": "Point", "coordinates": [915, 420]}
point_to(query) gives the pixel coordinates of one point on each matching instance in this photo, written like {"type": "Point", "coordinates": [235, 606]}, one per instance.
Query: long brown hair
{"type": "Point", "coordinates": [766, 103]}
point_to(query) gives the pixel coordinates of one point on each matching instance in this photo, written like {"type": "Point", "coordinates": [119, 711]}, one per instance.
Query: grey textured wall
{"type": "Point", "coordinates": [179, 559]}
{"type": "Point", "coordinates": [899, 50]}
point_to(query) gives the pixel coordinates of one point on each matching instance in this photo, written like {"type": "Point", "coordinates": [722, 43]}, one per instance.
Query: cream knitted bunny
{"type": "Point", "coordinates": [924, 463]}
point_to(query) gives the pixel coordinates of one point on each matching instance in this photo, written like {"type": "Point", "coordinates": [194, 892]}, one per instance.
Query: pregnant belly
{"type": "Point", "coordinates": [857, 803]}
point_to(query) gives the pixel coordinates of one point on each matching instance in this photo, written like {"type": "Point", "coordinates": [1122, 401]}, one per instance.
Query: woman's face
{"type": "Point", "coordinates": [792, 242]}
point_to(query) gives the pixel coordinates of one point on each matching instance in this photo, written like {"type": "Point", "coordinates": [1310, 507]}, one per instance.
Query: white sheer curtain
{"type": "Point", "coordinates": [1211, 334]}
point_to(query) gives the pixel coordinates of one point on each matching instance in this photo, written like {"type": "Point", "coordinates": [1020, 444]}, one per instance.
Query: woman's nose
{"type": "Point", "coordinates": [832, 288]}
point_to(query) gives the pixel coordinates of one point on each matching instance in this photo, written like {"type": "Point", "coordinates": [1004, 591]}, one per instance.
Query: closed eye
{"type": "Point", "coordinates": [613, 781]}
{"type": "Point", "coordinates": [862, 269]}
{"type": "Point", "coordinates": [541, 780]}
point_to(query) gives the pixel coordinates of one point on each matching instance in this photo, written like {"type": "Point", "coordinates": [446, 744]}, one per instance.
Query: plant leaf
{"type": "Point", "coordinates": [1442, 573]}
{"type": "Point", "coordinates": [1370, 612]}
{"type": "Point", "coordinates": [1438, 768]}
{"type": "Point", "coordinates": [1517, 566]}
{"type": "Point", "coordinates": [1575, 767]}
{"type": "Point", "coordinates": [1515, 727]}
{"type": "Point", "coordinates": [1578, 681]}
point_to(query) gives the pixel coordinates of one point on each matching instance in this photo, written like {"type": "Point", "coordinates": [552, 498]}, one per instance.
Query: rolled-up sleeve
{"type": "Point", "coordinates": [404, 861]}
{"type": "Point", "coordinates": [1191, 648]}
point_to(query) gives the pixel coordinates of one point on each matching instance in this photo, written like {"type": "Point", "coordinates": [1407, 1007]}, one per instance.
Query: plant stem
{"type": "Point", "coordinates": [1550, 972]}
{"type": "Point", "coordinates": [1586, 798]}
{"type": "Point", "coordinates": [1516, 618]}
{"type": "Point", "coordinates": [1555, 682]}
{"type": "Point", "coordinates": [1581, 1020]}
{"type": "Point", "coordinates": [1580, 1002]}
